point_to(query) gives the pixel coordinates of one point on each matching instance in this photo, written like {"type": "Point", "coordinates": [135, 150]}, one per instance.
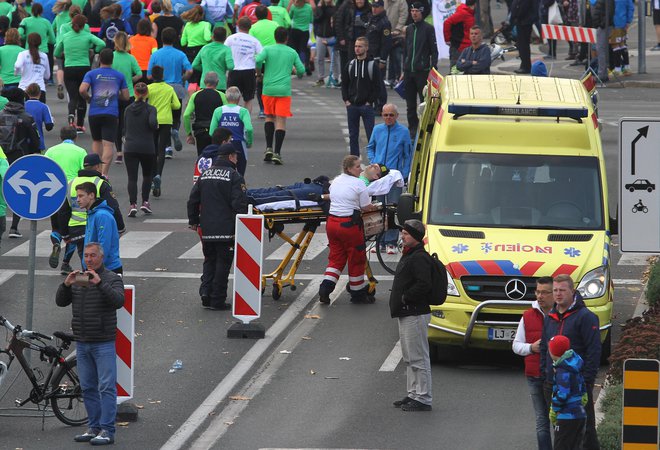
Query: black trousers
{"type": "Point", "coordinates": [298, 41]}
{"type": "Point", "coordinates": [218, 258]}
{"type": "Point", "coordinates": [73, 77]}
{"type": "Point", "coordinates": [123, 104]}
{"type": "Point", "coordinates": [414, 83]}
{"type": "Point", "coordinates": [163, 139]}
{"type": "Point", "coordinates": [202, 139]}
{"type": "Point", "coordinates": [568, 434]}
{"type": "Point", "coordinates": [523, 44]}
{"type": "Point", "coordinates": [133, 161]}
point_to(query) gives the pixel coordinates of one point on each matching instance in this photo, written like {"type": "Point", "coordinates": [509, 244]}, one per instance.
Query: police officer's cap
{"type": "Point", "coordinates": [226, 149]}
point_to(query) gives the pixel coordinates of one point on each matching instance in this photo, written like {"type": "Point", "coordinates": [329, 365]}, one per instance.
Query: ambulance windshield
{"type": "Point", "coordinates": [516, 191]}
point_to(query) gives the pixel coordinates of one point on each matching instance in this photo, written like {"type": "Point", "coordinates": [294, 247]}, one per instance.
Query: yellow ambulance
{"type": "Point", "coordinates": [508, 175]}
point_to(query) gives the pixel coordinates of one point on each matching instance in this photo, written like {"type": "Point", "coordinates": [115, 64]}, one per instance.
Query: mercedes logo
{"type": "Point", "coordinates": [515, 289]}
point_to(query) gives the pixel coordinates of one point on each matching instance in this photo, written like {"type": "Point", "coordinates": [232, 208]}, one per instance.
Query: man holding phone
{"type": "Point", "coordinates": [94, 296]}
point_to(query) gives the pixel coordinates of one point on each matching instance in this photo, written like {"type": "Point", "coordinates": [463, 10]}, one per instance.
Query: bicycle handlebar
{"type": "Point", "coordinates": [23, 333]}
{"type": "Point", "coordinates": [7, 324]}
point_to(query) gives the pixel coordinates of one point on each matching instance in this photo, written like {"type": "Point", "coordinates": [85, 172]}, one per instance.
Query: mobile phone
{"type": "Point", "coordinates": [82, 279]}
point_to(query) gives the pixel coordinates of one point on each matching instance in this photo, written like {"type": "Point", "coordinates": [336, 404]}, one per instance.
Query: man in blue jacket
{"type": "Point", "coordinates": [390, 146]}
{"type": "Point", "coordinates": [571, 318]}
{"type": "Point", "coordinates": [101, 225]}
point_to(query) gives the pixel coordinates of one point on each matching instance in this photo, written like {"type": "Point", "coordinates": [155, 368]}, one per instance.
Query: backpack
{"type": "Point", "coordinates": [438, 281]}
{"type": "Point", "coordinates": [370, 68]}
{"type": "Point", "coordinates": [8, 128]}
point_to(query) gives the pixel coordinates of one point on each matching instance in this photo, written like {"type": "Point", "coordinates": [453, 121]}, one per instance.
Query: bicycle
{"type": "Point", "coordinates": [61, 386]}
{"type": "Point", "coordinates": [376, 240]}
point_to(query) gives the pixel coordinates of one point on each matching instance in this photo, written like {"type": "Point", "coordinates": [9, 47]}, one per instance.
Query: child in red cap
{"type": "Point", "coordinates": [569, 394]}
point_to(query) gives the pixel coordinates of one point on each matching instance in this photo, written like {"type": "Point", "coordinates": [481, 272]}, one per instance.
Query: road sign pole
{"type": "Point", "coordinates": [32, 264]}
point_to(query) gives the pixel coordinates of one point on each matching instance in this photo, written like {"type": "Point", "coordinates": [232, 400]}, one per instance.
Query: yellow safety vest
{"type": "Point", "coordinates": [78, 214]}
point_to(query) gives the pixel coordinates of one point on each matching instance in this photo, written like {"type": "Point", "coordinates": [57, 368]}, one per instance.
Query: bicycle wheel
{"type": "Point", "coordinates": [386, 260]}
{"type": "Point", "coordinates": [67, 400]}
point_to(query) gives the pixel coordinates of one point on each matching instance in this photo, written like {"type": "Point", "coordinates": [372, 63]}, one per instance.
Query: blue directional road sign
{"type": "Point", "coordinates": [34, 187]}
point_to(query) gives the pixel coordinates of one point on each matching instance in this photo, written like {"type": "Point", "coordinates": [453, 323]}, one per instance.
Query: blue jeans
{"type": "Point", "coordinates": [97, 368]}
{"type": "Point", "coordinates": [353, 113]}
{"type": "Point", "coordinates": [391, 236]}
{"type": "Point", "coordinates": [301, 190]}
{"type": "Point", "coordinates": [541, 409]}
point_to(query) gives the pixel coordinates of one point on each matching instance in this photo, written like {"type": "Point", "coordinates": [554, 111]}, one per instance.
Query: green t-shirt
{"type": "Point", "coordinates": [301, 17]}
{"type": "Point", "coordinates": [280, 15]}
{"type": "Point", "coordinates": [5, 8]}
{"type": "Point", "coordinates": [279, 60]}
{"type": "Point", "coordinates": [126, 64]}
{"type": "Point", "coordinates": [60, 19]}
{"type": "Point", "coordinates": [264, 31]}
{"type": "Point", "coordinates": [164, 99]}
{"type": "Point", "coordinates": [4, 165]}
{"type": "Point", "coordinates": [190, 109]}
{"type": "Point", "coordinates": [64, 29]}
{"type": "Point", "coordinates": [8, 55]}
{"type": "Point", "coordinates": [76, 47]}
{"type": "Point", "coordinates": [3, 102]}
{"type": "Point", "coordinates": [215, 57]}
{"type": "Point", "coordinates": [69, 156]}
{"type": "Point", "coordinates": [196, 34]}
{"type": "Point", "coordinates": [40, 26]}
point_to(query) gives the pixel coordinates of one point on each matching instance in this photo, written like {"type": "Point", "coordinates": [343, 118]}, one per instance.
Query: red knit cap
{"type": "Point", "coordinates": [558, 345]}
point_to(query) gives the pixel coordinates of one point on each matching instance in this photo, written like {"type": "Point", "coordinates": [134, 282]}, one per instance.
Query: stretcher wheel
{"type": "Point", "coordinates": [277, 292]}
{"type": "Point", "coordinates": [293, 287]}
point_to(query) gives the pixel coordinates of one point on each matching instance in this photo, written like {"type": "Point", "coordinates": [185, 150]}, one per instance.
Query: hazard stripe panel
{"type": "Point", "coordinates": [640, 434]}
{"type": "Point", "coordinates": [636, 379]}
{"type": "Point", "coordinates": [640, 416]}
{"type": "Point", "coordinates": [640, 403]}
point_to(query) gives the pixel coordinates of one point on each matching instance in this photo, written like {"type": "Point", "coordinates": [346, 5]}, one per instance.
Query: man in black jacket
{"type": "Point", "coordinates": [360, 88]}
{"type": "Point", "coordinates": [420, 55]}
{"type": "Point", "coordinates": [411, 289]}
{"type": "Point", "coordinates": [524, 13]}
{"type": "Point", "coordinates": [379, 34]}
{"type": "Point", "coordinates": [95, 295]}
{"type": "Point", "coordinates": [219, 194]}
{"type": "Point", "coordinates": [602, 17]}
{"type": "Point", "coordinates": [475, 59]}
{"type": "Point", "coordinates": [200, 109]}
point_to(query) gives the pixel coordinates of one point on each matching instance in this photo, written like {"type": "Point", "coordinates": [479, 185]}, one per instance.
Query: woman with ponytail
{"type": "Point", "coordinates": [32, 66]}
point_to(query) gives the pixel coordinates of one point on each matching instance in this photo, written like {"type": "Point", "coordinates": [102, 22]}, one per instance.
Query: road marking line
{"type": "Point", "coordinates": [634, 259]}
{"type": "Point", "coordinates": [340, 287]}
{"type": "Point", "coordinates": [166, 221]}
{"type": "Point", "coordinates": [134, 243]}
{"type": "Point", "coordinates": [203, 412]}
{"type": "Point", "coordinates": [626, 282]}
{"type": "Point", "coordinates": [44, 246]}
{"type": "Point", "coordinates": [6, 275]}
{"type": "Point", "coordinates": [392, 359]}
{"type": "Point", "coordinates": [315, 248]}
{"type": "Point", "coordinates": [194, 252]}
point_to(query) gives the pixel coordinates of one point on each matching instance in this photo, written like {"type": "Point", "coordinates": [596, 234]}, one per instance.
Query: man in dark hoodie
{"type": "Point", "coordinates": [350, 22]}
{"type": "Point", "coordinates": [18, 136]}
{"type": "Point", "coordinates": [360, 88]}
{"type": "Point", "coordinates": [571, 318]}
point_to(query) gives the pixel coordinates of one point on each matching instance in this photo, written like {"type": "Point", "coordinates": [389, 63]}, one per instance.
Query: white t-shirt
{"type": "Point", "coordinates": [244, 48]}
{"type": "Point", "coordinates": [347, 193]}
{"type": "Point", "coordinates": [31, 72]}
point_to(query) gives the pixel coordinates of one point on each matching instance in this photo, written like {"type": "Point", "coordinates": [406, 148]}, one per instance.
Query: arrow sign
{"type": "Point", "coordinates": [18, 182]}
{"type": "Point", "coordinates": [642, 134]}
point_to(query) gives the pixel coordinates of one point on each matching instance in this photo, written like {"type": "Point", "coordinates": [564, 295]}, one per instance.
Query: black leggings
{"type": "Point", "coordinates": [298, 41]}
{"type": "Point", "coordinates": [119, 142]}
{"type": "Point", "coordinates": [191, 52]}
{"type": "Point", "coordinates": [147, 162]}
{"type": "Point", "coordinates": [73, 78]}
{"type": "Point", "coordinates": [163, 139]}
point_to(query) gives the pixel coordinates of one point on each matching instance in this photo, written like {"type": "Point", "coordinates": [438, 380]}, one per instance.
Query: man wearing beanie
{"type": "Point", "coordinates": [572, 319]}
{"type": "Point", "coordinates": [411, 289]}
{"type": "Point", "coordinates": [569, 394]}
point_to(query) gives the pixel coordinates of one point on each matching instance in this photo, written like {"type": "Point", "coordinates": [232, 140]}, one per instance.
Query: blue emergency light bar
{"type": "Point", "coordinates": [517, 110]}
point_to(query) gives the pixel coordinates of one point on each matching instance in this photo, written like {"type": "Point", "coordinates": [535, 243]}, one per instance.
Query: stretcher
{"type": "Point", "coordinates": [311, 217]}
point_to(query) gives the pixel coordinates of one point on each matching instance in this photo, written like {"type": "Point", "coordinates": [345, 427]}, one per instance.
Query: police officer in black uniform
{"type": "Point", "coordinates": [379, 34]}
{"type": "Point", "coordinates": [217, 196]}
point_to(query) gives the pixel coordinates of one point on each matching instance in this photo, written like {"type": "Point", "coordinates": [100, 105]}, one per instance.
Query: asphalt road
{"type": "Point", "coordinates": [296, 388]}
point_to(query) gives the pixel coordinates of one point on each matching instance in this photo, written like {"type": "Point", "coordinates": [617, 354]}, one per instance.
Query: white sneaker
{"type": "Point", "coordinates": [390, 249]}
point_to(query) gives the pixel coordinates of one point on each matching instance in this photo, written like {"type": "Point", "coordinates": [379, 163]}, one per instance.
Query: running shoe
{"type": "Point", "coordinates": [132, 211]}
{"type": "Point", "coordinates": [14, 233]}
{"type": "Point", "coordinates": [146, 208]}
{"type": "Point", "coordinates": [626, 72]}
{"type": "Point", "coordinates": [54, 258]}
{"type": "Point", "coordinates": [268, 154]}
{"type": "Point", "coordinates": [80, 129]}
{"type": "Point", "coordinates": [656, 48]}
{"type": "Point", "coordinates": [72, 120]}
{"type": "Point", "coordinates": [156, 186]}
{"type": "Point", "coordinates": [390, 249]}
{"type": "Point", "coordinates": [277, 159]}
{"type": "Point", "coordinates": [319, 83]}
{"type": "Point", "coordinates": [262, 115]}
{"type": "Point", "coordinates": [66, 268]}
{"type": "Point", "coordinates": [103, 438]}
{"type": "Point", "coordinates": [178, 145]}
{"type": "Point", "coordinates": [60, 92]}
{"type": "Point", "coordinates": [169, 154]}
{"type": "Point", "coordinates": [119, 159]}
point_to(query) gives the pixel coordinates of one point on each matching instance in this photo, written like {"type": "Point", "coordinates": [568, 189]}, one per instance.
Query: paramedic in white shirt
{"type": "Point", "coordinates": [348, 199]}
{"type": "Point", "coordinates": [244, 48]}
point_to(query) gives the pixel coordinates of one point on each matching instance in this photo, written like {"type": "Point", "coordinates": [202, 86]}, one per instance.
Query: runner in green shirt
{"type": "Point", "coordinates": [264, 30]}
{"type": "Point", "coordinates": [67, 154]}
{"type": "Point", "coordinates": [278, 61]}
{"type": "Point", "coordinates": [280, 14]}
{"type": "Point", "coordinates": [302, 16]}
{"type": "Point", "coordinates": [5, 8]}
{"type": "Point", "coordinates": [215, 57]}
{"type": "Point", "coordinates": [39, 25]}
{"type": "Point", "coordinates": [8, 55]}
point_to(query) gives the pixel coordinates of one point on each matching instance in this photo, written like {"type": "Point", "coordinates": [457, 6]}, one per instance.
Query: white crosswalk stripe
{"type": "Point", "coordinates": [44, 246]}
{"type": "Point", "coordinates": [315, 248]}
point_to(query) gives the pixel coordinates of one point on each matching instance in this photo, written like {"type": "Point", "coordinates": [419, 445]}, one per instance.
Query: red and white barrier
{"type": "Point", "coordinates": [125, 345]}
{"type": "Point", "coordinates": [248, 258]}
{"type": "Point", "coordinates": [566, 33]}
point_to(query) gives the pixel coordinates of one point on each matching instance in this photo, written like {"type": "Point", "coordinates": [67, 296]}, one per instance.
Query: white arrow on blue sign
{"type": "Point", "coordinates": [34, 187]}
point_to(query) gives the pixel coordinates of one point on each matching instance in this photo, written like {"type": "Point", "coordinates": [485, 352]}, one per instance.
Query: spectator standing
{"type": "Point", "coordinates": [278, 60]}
{"type": "Point", "coordinates": [302, 16]}
{"type": "Point", "coordinates": [39, 111]}
{"type": "Point", "coordinates": [390, 146]}
{"type": "Point", "coordinates": [420, 55]}
{"type": "Point", "coordinates": [571, 318]}
{"type": "Point", "coordinates": [196, 34]}
{"type": "Point", "coordinates": [527, 343]}
{"type": "Point", "coordinates": [602, 15]}
{"type": "Point", "coordinates": [232, 117]}
{"type": "Point", "coordinates": [244, 49]}
{"type": "Point", "coordinates": [475, 60]}
{"type": "Point", "coordinates": [8, 55]}
{"type": "Point", "coordinates": [18, 136]}
{"type": "Point", "coordinates": [77, 44]}
{"type": "Point", "coordinates": [379, 34]}
{"type": "Point", "coordinates": [32, 65]}
{"type": "Point", "coordinates": [279, 14]}
{"type": "Point", "coordinates": [108, 86]}
{"type": "Point", "coordinates": [176, 69]}
{"type": "Point", "coordinates": [220, 193]}
{"type": "Point", "coordinates": [142, 45]}
{"type": "Point", "coordinates": [215, 57]}
{"type": "Point", "coordinates": [397, 14]}
{"type": "Point", "coordinates": [524, 14]}
{"type": "Point", "coordinates": [94, 304]}
{"type": "Point", "coordinates": [141, 123]}
{"type": "Point", "coordinates": [163, 97]}
{"type": "Point", "coordinates": [168, 20]}
{"type": "Point", "coordinates": [411, 290]}
{"type": "Point", "coordinates": [656, 24]}
{"type": "Point", "coordinates": [200, 109]}
{"type": "Point", "coordinates": [126, 64]}
{"type": "Point", "coordinates": [325, 41]}
{"type": "Point", "coordinates": [624, 13]}
{"type": "Point", "coordinates": [360, 88]}
{"type": "Point", "coordinates": [456, 29]}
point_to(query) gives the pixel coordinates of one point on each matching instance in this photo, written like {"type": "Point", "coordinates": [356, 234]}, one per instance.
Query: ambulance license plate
{"type": "Point", "coordinates": [501, 334]}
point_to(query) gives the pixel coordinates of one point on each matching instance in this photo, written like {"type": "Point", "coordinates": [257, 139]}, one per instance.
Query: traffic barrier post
{"type": "Point", "coordinates": [641, 383]}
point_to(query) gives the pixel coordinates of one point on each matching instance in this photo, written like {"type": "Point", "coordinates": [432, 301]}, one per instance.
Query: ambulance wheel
{"type": "Point", "coordinates": [277, 292]}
